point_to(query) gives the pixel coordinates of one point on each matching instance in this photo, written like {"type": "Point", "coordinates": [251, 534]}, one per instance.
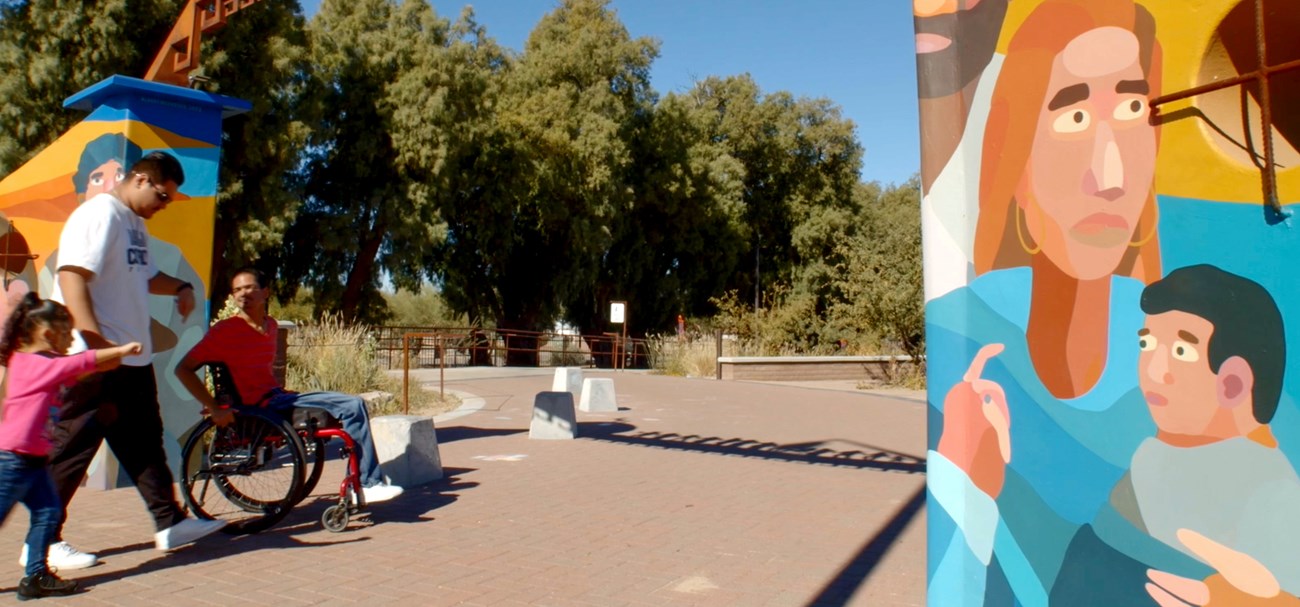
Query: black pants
{"type": "Point", "coordinates": [120, 406]}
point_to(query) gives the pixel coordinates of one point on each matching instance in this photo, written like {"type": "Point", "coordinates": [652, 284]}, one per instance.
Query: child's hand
{"type": "Point", "coordinates": [132, 348]}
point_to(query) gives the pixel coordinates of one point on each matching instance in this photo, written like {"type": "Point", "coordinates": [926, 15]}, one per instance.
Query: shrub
{"type": "Point", "coordinates": [683, 357]}
{"type": "Point", "coordinates": [331, 355]}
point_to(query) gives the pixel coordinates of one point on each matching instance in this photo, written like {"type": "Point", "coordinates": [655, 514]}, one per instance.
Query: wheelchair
{"type": "Point", "coordinates": [251, 473]}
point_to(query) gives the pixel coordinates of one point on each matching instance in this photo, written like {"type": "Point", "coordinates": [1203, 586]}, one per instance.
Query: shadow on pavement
{"type": "Point", "coordinates": [410, 507]}
{"type": "Point", "coordinates": [805, 453]}
{"type": "Point", "coordinates": [454, 433]}
{"type": "Point", "coordinates": [856, 571]}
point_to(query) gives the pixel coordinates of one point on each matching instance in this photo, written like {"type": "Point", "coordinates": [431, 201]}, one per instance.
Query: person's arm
{"type": "Point", "coordinates": [187, 373]}
{"type": "Point", "coordinates": [74, 283]}
{"type": "Point", "coordinates": [163, 283]}
{"type": "Point", "coordinates": [109, 358]}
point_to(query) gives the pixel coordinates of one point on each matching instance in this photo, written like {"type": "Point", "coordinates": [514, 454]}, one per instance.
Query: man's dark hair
{"type": "Point", "coordinates": [112, 146]}
{"type": "Point", "coordinates": [160, 167]}
{"type": "Point", "coordinates": [258, 276]}
{"type": "Point", "coordinates": [1246, 323]}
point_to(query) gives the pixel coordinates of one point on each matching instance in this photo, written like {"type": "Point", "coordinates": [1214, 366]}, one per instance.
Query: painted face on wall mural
{"type": "Point", "coordinates": [954, 41]}
{"type": "Point", "coordinates": [1093, 158]}
{"type": "Point", "coordinates": [1174, 372]}
{"type": "Point", "coordinates": [104, 178]}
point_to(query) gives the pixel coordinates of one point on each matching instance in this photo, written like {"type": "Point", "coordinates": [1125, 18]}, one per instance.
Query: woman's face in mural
{"type": "Point", "coordinates": [104, 178]}
{"type": "Point", "coordinates": [1093, 157]}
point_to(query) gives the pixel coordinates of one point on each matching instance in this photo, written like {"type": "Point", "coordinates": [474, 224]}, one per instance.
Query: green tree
{"type": "Point", "coordinates": [50, 49]}
{"type": "Point", "coordinates": [798, 164]}
{"type": "Point", "coordinates": [560, 155]}
{"type": "Point", "coordinates": [261, 55]}
{"type": "Point", "coordinates": [881, 275]}
{"type": "Point", "coordinates": [370, 206]}
{"type": "Point", "coordinates": [673, 250]}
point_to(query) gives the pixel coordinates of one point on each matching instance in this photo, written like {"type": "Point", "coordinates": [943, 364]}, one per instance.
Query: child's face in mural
{"type": "Point", "coordinates": [104, 178]}
{"type": "Point", "coordinates": [1174, 372]}
{"type": "Point", "coordinates": [1093, 156]}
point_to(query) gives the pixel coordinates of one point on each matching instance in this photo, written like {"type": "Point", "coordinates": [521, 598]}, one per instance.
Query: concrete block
{"type": "Point", "coordinates": [598, 395]}
{"type": "Point", "coordinates": [407, 446]}
{"type": "Point", "coordinates": [568, 379]}
{"type": "Point", "coordinates": [553, 416]}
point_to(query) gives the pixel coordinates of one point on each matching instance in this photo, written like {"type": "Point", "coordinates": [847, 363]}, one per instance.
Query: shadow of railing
{"type": "Point", "coordinates": [815, 452]}
{"type": "Point", "coordinates": [850, 577]}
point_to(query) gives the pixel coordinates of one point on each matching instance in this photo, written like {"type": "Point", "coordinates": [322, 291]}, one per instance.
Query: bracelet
{"type": "Point", "coordinates": [183, 286]}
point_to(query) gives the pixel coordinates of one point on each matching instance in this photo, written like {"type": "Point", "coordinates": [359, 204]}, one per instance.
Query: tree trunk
{"type": "Point", "coordinates": [362, 271]}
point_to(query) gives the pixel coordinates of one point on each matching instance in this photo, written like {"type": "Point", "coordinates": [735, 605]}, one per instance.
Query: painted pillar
{"type": "Point", "coordinates": [1108, 303]}
{"type": "Point", "coordinates": [128, 118]}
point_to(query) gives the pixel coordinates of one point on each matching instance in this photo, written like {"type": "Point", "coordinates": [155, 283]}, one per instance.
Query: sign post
{"type": "Point", "coordinates": [618, 315]}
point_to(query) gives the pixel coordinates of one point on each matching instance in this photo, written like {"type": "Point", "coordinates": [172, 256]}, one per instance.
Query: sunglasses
{"type": "Point", "coordinates": [162, 194]}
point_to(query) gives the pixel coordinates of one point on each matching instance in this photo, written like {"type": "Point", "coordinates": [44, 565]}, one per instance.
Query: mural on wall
{"type": "Point", "coordinates": [128, 118]}
{"type": "Point", "coordinates": [1112, 419]}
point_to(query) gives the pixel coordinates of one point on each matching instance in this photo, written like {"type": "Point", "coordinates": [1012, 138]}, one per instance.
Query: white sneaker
{"type": "Point", "coordinates": [380, 493]}
{"type": "Point", "coordinates": [62, 555]}
{"type": "Point", "coordinates": [185, 532]}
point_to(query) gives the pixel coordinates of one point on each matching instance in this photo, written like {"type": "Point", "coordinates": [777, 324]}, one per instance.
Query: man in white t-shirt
{"type": "Point", "coordinates": [105, 277]}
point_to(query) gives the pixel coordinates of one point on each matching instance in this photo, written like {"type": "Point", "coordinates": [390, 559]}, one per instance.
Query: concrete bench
{"type": "Point", "coordinates": [597, 395]}
{"type": "Point", "coordinates": [407, 447]}
{"type": "Point", "coordinates": [553, 417]}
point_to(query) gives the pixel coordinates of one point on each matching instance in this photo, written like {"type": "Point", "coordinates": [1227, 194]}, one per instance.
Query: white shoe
{"type": "Point", "coordinates": [62, 555]}
{"type": "Point", "coordinates": [380, 493]}
{"type": "Point", "coordinates": [185, 532]}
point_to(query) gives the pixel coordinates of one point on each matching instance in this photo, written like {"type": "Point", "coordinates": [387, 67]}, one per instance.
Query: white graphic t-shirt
{"type": "Point", "coordinates": [107, 238]}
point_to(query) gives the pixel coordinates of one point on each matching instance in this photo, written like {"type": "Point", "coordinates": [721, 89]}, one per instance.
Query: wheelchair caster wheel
{"type": "Point", "coordinates": [335, 518]}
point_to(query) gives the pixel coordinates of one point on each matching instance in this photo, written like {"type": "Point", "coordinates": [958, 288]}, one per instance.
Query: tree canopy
{"type": "Point", "coordinates": [390, 147]}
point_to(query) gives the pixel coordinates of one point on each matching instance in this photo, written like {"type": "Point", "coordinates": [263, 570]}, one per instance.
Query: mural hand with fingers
{"type": "Point", "coordinates": [976, 428]}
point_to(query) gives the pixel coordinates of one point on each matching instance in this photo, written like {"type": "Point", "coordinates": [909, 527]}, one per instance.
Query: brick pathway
{"type": "Point", "coordinates": [697, 492]}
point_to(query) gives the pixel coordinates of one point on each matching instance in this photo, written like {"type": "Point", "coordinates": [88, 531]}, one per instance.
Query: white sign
{"type": "Point", "coordinates": [617, 312]}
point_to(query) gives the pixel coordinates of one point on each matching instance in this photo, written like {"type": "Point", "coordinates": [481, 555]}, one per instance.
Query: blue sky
{"type": "Point", "coordinates": [858, 53]}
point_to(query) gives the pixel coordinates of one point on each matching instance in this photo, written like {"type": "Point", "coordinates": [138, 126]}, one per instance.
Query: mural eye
{"type": "Point", "coordinates": [97, 179]}
{"type": "Point", "coordinates": [1185, 352]}
{"type": "Point", "coordinates": [1147, 343]}
{"type": "Point", "coordinates": [1131, 109]}
{"type": "Point", "coordinates": [1072, 121]}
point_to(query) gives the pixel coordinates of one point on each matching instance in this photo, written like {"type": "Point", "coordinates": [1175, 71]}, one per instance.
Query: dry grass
{"type": "Point", "coordinates": [331, 355]}
{"type": "Point", "coordinates": [683, 358]}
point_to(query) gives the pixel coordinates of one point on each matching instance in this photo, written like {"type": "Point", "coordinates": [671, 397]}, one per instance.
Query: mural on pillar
{"type": "Point", "coordinates": [1109, 300]}
{"type": "Point", "coordinates": [130, 118]}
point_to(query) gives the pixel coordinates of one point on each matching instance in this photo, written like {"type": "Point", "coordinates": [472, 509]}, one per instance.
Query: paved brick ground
{"type": "Point", "coordinates": [696, 492]}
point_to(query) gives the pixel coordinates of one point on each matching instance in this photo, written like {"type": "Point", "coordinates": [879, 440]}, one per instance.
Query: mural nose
{"type": "Point", "coordinates": [1106, 173]}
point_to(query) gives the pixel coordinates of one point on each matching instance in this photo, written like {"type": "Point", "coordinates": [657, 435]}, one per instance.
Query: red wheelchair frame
{"type": "Point", "coordinates": [307, 429]}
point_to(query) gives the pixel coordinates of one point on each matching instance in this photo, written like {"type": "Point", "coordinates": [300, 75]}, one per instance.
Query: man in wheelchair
{"type": "Point", "coordinates": [246, 345]}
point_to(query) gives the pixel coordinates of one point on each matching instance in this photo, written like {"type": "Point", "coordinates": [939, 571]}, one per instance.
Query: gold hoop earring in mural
{"type": "Point", "coordinates": [1021, 236]}
{"type": "Point", "coordinates": [1155, 221]}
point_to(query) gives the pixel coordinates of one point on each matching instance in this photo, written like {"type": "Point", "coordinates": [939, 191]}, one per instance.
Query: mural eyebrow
{"type": "Point", "coordinates": [1143, 332]}
{"type": "Point", "coordinates": [1133, 86]}
{"type": "Point", "coordinates": [1188, 337]}
{"type": "Point", "coordinates": [1069, 95]}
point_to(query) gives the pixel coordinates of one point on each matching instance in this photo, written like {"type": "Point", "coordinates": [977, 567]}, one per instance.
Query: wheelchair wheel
{"type": "Point", "coordinates": [246, 474]}
{"type": "Point", "coordinates": [335, 518]}
{"type": "Point", "coordinates": [315, 460]}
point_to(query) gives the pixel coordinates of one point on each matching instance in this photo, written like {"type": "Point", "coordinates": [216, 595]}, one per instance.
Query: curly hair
{"type": "Point", "coordinates": [28, 316]}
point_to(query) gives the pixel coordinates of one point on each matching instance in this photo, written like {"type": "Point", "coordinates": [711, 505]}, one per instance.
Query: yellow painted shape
{"type": "Point", "coordinates": [190, 230]}
{"type": "Point", "coordinates": [42, 236]}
